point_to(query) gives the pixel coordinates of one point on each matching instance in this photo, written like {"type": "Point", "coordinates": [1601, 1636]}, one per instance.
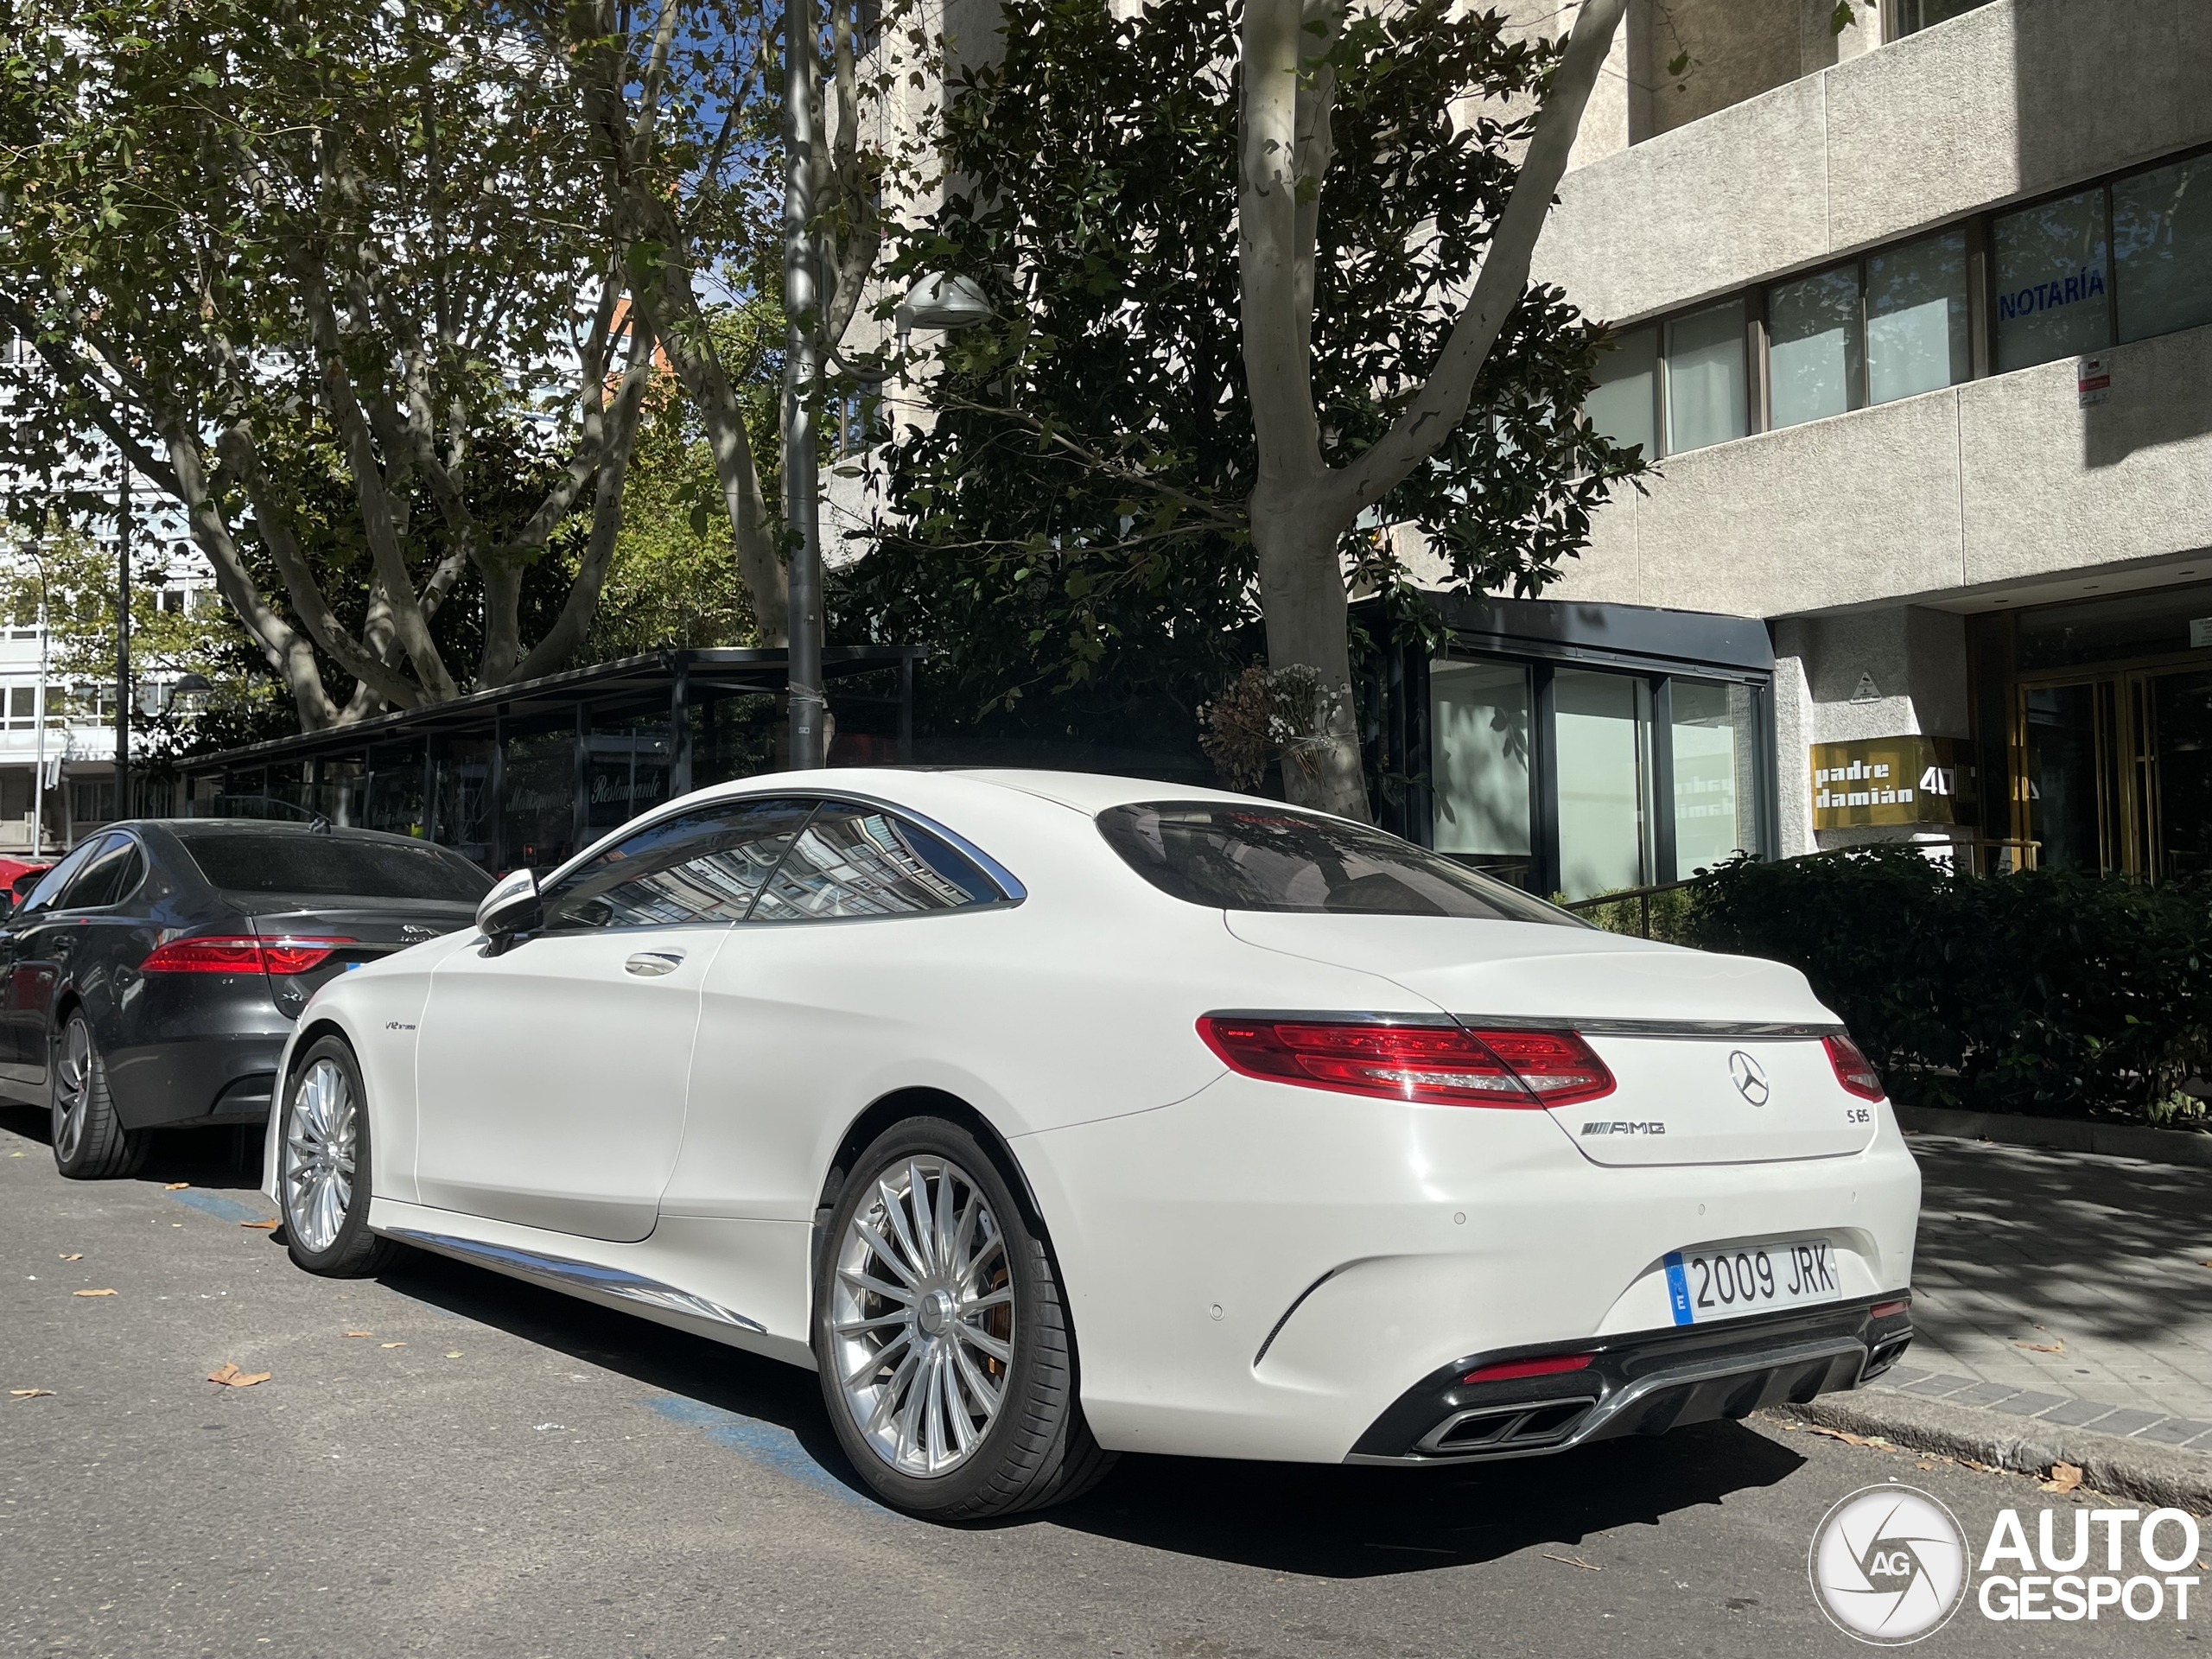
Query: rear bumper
{"type": "Point", "coordinates": [218, 1079]}
{"type": "Point", "coordinates": [1263, 1271]}
{"type": "Point", "coordinates": [1646, 1382]}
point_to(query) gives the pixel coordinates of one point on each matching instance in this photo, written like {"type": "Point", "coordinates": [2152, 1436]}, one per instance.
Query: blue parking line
{"type": "Point", "coordinates": [765, 1443]}
{"type": "Point", "coordinates": [229, 1209]}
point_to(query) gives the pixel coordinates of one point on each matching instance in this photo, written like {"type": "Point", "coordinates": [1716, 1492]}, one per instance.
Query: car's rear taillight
{"type": "Point", "coordinates": [240, 953]}
{"type": "Point", "coordinates": [1852, 1070]}
{"type": "Point", "coordinates": [1438, 1065]}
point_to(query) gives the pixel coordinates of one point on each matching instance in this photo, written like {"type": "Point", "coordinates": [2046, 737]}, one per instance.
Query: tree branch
{"type": "Point", "coordinates": [561, 640]}
{"type": "Point", "coordinates": [1441, 404]}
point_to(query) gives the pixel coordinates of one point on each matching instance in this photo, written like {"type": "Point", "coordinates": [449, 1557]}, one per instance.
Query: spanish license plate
{"type": "Point", "coordinates": [1725, 1284]}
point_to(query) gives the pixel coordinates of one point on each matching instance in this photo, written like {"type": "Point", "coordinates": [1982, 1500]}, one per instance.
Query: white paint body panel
{"type": "Point", "coordinates": [551, 1080]}
{"type": "Point", "coordinates": [1190, 1208]}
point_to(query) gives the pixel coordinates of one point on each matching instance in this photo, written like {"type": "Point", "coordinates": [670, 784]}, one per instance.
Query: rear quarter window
{"type": "Point", "coordinates": [332, 865]}
{"type": "Point", "coordinates": [1265, 857]}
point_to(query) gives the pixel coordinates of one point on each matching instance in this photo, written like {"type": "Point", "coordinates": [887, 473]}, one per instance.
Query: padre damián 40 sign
{"type": "Point", "coordinates": [1886, 780]}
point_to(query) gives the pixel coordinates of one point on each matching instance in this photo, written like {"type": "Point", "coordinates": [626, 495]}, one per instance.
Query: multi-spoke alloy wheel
{"type": "Point", "coordinates": [922, 1316]}
{"type": "Point", "coordinates": [946, 1359]}
{"type": "Point", "coordinates": [319, 1155]}
{"type": "Point", "coordinates": [322, 1166]}
{"type": "Point", "coordinates": [89, 1138]}
{"type": "Point", "coordinates": [73, 1090]}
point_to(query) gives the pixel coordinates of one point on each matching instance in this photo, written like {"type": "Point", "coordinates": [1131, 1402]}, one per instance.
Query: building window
{"type": "Point", "coordinates": [92, 803]}
{"type": "Point", "coordinates": [1716, 773]}
{"type": "Point", "coordinates": [22, 707]}
{"type": "Point", "coordinates": [1706, 397]}
{"type": "Point", "coordinates": [2123, 260]}
{"type": "Point", "coordinates": [1911, 16]}
{"type": "Point", "coordinates": [1480, 738]}
{"type": "Point", "coordinates": [2162, 249]}
{"type": "Point", "coordinates": [2053, 294]}
{"type": "Point", "coordinates": [1814, 365]}
{"type": "Point", "coordinates": [1624, 404]}
{"type": "Point", "coordinates": [1917, 333]}
{"type": "Point", "coordinates": [1604, 724]}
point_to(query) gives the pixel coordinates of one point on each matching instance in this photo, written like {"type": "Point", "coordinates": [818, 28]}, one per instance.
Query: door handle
{"type": "Point", "coordinates": [650, 965]}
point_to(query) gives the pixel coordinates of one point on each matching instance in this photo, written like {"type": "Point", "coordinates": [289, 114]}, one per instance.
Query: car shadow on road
{"type": "Point", "coordinates": [1324, 1522]}
{"type": "Point", "coordinates": [1329, 1522]}
{"type": "Point", "coordinates": [226, 1157]}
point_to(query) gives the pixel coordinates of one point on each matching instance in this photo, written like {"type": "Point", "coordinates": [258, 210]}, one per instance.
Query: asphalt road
{"type": "Point", "coordinates": [493, 1470]}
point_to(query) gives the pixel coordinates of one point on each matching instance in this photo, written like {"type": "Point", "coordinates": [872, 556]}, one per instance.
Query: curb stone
{"type": "Point", "coordinates": [2162, 1476]}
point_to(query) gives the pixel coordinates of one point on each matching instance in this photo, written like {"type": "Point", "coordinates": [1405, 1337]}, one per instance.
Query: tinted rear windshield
{"type": "Point", "coordinates": [332, 866]}
{"type": "Point", "coordinates": [1267, 858]}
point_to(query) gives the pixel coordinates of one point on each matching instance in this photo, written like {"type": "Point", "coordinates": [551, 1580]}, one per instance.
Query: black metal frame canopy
{"type": "Point", "coordinates": [456, 772]}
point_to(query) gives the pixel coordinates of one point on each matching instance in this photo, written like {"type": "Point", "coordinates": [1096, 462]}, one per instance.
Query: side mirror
{"type": "Point", "coordinates": [510, 908]}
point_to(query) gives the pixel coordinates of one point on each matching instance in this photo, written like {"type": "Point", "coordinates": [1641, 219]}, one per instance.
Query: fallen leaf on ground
{"type": "Point", "coordinates": [176, 1186]}
{"type": "Point", "coordinates": [2064, 1478]}
{"type": "Point", "coordinates": [1923, 1466]}
{"type": "Point", "coordinates": [231, 1377]}
{"type": "Point", "coordinates": [29, 1393]}
{"type": "Point", "coordinates": [1847, 1436]}
{"type": "Point", "coordinates": [15, 1155]}
{"type": "Point", "coordinates": [92, 1293]}
{"type": "Point", "coordinates": [392, 1345]}
{"type": "Point", "coordinates": [259, 1226]}
{"type": "Point", "coordinates": [2058, 1347]}
{"type": "Point", "coordinates": [1982, 1468]}
{"type": "Point", "coordinates": [359, 1333]}
{"type": "Point", "coordinates": [1573, 1560]}
{"type": "Point", "coordinates": [453, 1353]}
{"type": "Point", "coordinates": [74, 1255]}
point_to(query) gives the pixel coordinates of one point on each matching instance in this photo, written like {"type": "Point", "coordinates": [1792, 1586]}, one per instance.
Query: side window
{"type": "Point", "coordinates": [861, 861]}
{"type": "Point", "coordinates": [108, 878]}
{"type": "Point", "coordinates": [42, 896]}
{"type": "Point", "coordinates": [698, 866]}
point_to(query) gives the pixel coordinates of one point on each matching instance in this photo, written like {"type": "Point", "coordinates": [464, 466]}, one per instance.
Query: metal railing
{"type": "Point", "coordinates": [1985, 855]}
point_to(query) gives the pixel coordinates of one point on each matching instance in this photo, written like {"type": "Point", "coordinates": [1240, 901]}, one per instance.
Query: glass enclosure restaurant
{"type": "Point", "coordinates": [526, 774]}
{"type": "Point", "coordinates": [1578, 749]}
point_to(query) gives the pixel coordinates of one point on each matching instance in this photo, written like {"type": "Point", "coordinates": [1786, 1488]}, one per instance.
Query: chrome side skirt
{"type": "Point", "coordinates": [564, 1272]}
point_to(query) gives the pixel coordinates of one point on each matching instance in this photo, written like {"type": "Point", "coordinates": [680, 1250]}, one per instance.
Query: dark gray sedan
{"type": "Point", "coordinates": [152, 977]}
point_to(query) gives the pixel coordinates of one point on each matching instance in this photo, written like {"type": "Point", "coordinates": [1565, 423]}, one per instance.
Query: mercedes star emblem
{"type": "Point", "coordinates": [1750, 1077]}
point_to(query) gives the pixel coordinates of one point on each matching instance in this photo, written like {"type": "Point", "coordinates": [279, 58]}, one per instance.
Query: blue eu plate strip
{"type": "Point", "coordinates": [1678, 1289]}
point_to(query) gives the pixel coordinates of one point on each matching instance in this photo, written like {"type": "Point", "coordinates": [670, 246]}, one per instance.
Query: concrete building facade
{"type": "Point", "coordinates": [1915, 320]}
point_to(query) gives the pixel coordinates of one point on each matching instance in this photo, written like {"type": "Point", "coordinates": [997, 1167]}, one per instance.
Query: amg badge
{"type": "Point", "coordinates": [1618, 1128]}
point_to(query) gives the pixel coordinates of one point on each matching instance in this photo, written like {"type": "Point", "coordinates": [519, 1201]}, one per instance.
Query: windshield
{"type": "Point", "coordinates": [1263, 857]}
{"type": "Point", "coordinates": [355, 866]}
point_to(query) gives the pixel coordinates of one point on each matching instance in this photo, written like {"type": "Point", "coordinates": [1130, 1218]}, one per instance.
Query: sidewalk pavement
{"type": "Point", "coordinates": [2060, 1299]}
{"type": "Point", "coordinates": [2060, 1284]}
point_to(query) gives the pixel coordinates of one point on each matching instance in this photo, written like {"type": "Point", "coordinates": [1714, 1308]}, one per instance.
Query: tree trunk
{"type": "Point", "coordinates": [1299, 508]}
{"type": "Point", "coordinates": [1302, 599]}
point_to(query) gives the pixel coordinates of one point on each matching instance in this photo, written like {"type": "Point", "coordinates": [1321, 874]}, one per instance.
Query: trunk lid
{"type": "Point", "coordinates": [1716, 1058]}
{"type": "Point", "coordinates": [377, 928]}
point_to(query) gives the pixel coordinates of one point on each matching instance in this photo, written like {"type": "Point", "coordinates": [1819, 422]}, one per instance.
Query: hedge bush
{"type": "Point", "coordinates": [2053, 992]}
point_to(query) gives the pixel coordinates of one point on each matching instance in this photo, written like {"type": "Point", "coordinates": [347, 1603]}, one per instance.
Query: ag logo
{"type": "Point", "coordinates": [1888, 1565]}
{"type": "Point", "coordinates": [1750, 1077]}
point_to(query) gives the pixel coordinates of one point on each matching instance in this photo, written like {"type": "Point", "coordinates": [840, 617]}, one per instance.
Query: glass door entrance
{"type": "Point", "coordinates": [2173, 763]}
{"type": "Point", "coordinates": [2115, 772]}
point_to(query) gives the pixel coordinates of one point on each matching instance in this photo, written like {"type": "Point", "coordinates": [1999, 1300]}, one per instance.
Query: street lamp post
{"type": "Point", "coordinates": [802, 487]}
{"type": "Point", "coordinates": [122, 638]}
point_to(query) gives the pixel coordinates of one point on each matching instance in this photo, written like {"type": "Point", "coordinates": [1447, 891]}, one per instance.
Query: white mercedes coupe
{"type": "Point", "coordinates": [1049, 1116]}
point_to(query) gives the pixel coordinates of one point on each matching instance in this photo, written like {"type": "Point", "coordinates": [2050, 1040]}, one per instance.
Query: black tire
{"type": "Point", "coordinates": [89, 1142]}
{"type": "Point", "coordinates": [351, 1250]}
{"type": "Point", "coordinates": [1037, 1449]}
